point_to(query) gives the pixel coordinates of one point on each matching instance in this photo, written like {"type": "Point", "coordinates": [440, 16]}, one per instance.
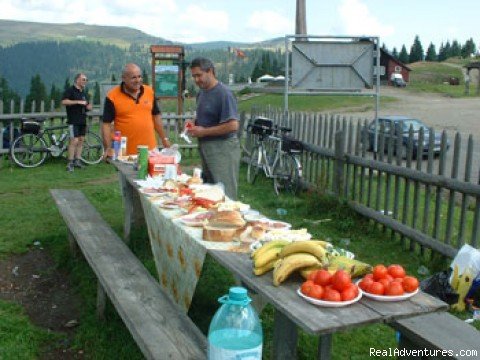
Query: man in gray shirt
{"type": "Point", "coordinates": [216, 127]}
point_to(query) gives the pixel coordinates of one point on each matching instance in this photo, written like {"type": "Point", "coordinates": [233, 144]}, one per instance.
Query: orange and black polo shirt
{"type": "Point", "coordinates": [132, 117]}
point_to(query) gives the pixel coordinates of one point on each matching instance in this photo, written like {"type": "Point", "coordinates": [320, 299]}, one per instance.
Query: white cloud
{"type": "Point", "coordinates": [202, 18]}
{"type": "Point", "coordinates": [357, 20]}
{"type": "Point", "coordinates": [270, 22]}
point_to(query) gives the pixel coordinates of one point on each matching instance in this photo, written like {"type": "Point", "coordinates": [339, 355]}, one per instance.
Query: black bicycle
{"type": "Point", "coordinates": [35, 144]}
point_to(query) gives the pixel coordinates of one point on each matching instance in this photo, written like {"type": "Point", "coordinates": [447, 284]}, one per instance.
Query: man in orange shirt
{"type": "Point", "coordinates": [132, 108]}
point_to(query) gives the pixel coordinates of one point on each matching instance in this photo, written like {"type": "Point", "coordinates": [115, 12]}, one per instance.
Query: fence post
{"type": "Point", "coordinates": [338, 167]}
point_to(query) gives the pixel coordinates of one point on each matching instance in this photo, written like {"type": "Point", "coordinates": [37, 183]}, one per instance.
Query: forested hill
{"type": "Point", "coordinates": [14, 32]}
{"type": "Point", "coordinates": [57, 61]}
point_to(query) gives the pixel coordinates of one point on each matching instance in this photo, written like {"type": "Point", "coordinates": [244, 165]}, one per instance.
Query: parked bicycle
{"type": "Point", "coordinates": [35, 144]}
{"type": "Point", "coordinates": [277, 154]}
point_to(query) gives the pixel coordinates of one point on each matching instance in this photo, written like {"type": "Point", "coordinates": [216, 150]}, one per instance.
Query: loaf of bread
{"type": "Point", "coordinates": [220, 234]}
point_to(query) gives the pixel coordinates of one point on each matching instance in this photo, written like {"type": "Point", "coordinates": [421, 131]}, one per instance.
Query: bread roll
{"type": "Point", "coordinates": [258, 232]}
{"type": "Point", "coordinates": [220, 234]}
{"type": "Point", "coordinates": [229, 218]}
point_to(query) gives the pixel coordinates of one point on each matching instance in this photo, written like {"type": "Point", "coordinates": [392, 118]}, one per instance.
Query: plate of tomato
{"type": "Point", "coordinates": [388, 283]}
{"type": "Point", "coordinates": [323, 288]}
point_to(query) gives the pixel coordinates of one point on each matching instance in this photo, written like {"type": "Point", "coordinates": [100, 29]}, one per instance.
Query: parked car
{"type": "Point", "coordinates": [404, 123]}
{"type": "Point", "coordinates": [399, 82]}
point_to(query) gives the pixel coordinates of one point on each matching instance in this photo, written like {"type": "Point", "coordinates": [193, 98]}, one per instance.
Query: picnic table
{"type": "Point", "coordinates": [291, 311]}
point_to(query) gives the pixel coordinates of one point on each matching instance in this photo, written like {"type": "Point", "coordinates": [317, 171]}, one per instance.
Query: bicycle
{"type": "Point", "coordinates": [281, 162]}
{"type": "Point", "coordinates": [35, 144]}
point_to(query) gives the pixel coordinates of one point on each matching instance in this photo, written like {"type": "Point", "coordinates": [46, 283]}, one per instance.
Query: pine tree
{"type": "Point", "coordinates": [403, 56]}
{"type": "Point", "coordinates": [455, 50]}
{"type": "Point", "coordinates": [113, 78]}
{"type": "Point", "coordinates": [431, 53]}
{"type": "Point", "coordinates": [469, 48]}
{"type": "Point", "coordinates": [447, 50]}
{"type": "Point", "coordinates": [96, 94]}
{"type": "Point", "coordinates": [416, 51]}
{"type": "Point", "coordinates": [145, 77]}
{"type": "Point", "coordinates": [7, 95]}
{"type": "Point", "coordinates": [66, 85]}
{"type": "Point", "coordinates": [38, 93]}
{"type": "Point", "coordinates": [395, 53]}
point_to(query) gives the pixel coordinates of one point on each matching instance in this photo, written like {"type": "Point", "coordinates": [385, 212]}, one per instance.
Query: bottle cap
{"type": "Point", "coordinates": [236, 296]}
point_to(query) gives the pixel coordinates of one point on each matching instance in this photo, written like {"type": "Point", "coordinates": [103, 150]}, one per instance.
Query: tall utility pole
{"type": "Point", "coordinates": [301, 18]}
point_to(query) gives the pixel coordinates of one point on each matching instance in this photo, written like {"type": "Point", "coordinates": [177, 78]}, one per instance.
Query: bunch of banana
{"type": "Point", "coordinates": [290, 263]}
{"type": "Point", "coordinates": [313, 247]}
{"type": "Point", "coordinates": [461, 284]}
{"type": "Point", "coordinates": [354, 267]}
{"type": "Point", "coordinates": [265, 257]}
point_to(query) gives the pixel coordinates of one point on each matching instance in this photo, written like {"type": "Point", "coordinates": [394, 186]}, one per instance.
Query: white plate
{"type": "Point", "coordinates": [388, 298]}
{"type": "Point", "coordinates": [330, 303]}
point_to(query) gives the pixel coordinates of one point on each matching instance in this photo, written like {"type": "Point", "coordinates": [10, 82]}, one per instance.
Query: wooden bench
{"type": "Point", "coordinates": [159, 328]}
{"type": "Point", "coordinates": [438, 331]}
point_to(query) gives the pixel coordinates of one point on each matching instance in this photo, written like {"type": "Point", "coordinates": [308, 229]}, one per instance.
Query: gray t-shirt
{"type": "Point", "coordinates": [216, 106]}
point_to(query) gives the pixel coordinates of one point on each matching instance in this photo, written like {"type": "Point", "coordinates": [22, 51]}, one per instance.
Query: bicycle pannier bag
{"type": "Point", "coordinates": [30, 127]}
{"type": "Point", "coordinates": [264, 122]}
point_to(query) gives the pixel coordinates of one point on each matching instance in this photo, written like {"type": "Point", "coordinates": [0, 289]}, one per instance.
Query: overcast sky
{"type": "Point", "coordinates": [189, 21]}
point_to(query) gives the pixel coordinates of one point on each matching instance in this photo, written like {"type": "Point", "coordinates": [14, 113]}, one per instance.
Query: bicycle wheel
{"type": "Point", "coordinates": [92, 151]}
{"type": "Point", "coordinates": [286, 174]}
{"type": "Point", "coordinates": [254, 165]}
{"type": "Point", "coordinates": [28, 151]}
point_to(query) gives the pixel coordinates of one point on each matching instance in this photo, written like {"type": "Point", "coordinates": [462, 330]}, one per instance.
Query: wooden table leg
{"type": "Point", "coordinates": [284, 338]}
{"type": "Point", "coordinates": [133, 211]}
{"type": "Point", "coordinates": [324, 347]}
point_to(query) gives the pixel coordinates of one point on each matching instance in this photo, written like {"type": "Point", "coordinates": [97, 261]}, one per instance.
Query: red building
{"type": "Point", "coordinates": [392, 66]}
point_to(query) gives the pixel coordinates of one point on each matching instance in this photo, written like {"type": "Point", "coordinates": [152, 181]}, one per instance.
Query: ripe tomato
{"type": "Point", "coordinates": [340, 280]}
{"type": "Point", "coordinates": [331, 295]}
{"type": "Point", "coordinates": [385, 282]}
{"type": "Point", "coordinates": [312, 275]}
{"type": "Point", "coordinates": [365, 283]}
{"type": "Point", "coordinates": [306, 287]}
{"type": "Point", "coordinates": [316, 292]}
{"type": "Point", "coordinates": [396, 271]}
{"type": "Point", "coordinates": [394, 289]}
{"type": "Point", "coordinates": [349, 293]}
{"type": "Point", "coordinates": [376, 288]}
{"type": "Point", "coordinates": [369, 276]}
{"type": "Point", "coordinates": [410, 283]}
{"type": "Point", "coordinates": [323, 277]}
{"type": "Point", "coordinates": [379, 272]}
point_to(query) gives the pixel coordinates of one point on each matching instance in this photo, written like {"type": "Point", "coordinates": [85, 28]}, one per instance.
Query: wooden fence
{"type": "Point", "coordinates": [424, 200]}
{"type": "Point", "coordinates": [10, 123]}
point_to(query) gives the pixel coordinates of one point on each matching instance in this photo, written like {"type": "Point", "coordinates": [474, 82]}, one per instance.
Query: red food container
{"type": "Point", "coordinates": [156, 164]}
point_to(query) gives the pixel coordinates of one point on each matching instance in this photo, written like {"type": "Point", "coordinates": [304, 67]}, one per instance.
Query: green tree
{"type": "Point", "coordinates": [96, 94]}
{"type": "Point", "coordinates": [7, 95]}
{"type": "Point", "coordinates": [113, 79]}
{"type": "Point", "coordinates": [395, 53]}
{"type": "Point", "coordinates": [431, 53]}
{"type": "Point", "coordinates": [145, 77]}
{"type": "Point", "coordinates": [38, 93]}
{"type": "Point", "coordinates": [455, 49]}
{"type": "Point", "coordinates": [56, 96]}
{"type": "Point", "coordinates": [468, 48]}
{"type": "Point", "coordinates": [66, 85]}
{"type": "Point", "coordinates": [416, 51]}
{"type": "Point", "coordinates": [403, 56]}
{"type": "Point", "coordinates": [445, 53]}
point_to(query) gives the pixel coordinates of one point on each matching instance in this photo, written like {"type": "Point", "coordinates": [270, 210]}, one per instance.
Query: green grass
{"type": "Point", "coordinates": [312, 103]}
{"type": "Point", "coordinates": [19, 339]}
{"type": "Point", "coordinates": [431, 77]}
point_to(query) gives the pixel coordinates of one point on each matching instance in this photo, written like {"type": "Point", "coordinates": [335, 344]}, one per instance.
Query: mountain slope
{"type": "Point", "coordinates": [14, 32]}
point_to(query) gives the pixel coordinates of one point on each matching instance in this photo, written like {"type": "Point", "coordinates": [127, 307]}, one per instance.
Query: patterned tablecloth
{"type": "Point", "coordinates": [178, 250]}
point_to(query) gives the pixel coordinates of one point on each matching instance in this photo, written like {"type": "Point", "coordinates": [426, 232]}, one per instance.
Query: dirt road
{"type": "Point", "coordinates": [443, 113]}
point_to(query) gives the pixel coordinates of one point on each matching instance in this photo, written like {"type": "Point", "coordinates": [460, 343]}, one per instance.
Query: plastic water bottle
{"type": "Point", "coordinates": [117, 140]}
{"type": "Point", "coordinates": [235, 331]}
